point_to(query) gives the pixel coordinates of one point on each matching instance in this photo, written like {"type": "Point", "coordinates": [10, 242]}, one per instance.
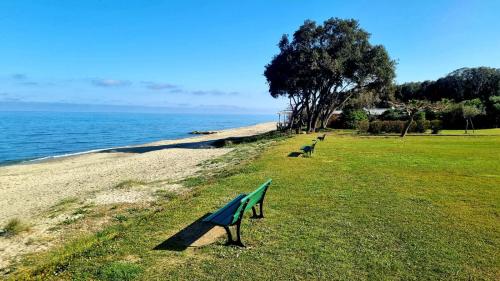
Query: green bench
{"type": "Point", "coordinates": [232, 213]}
{"type": "Point", "coordinates": [308, 149]}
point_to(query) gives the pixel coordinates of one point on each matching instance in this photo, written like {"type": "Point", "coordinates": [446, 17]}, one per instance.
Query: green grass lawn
{"type": "Point", "coordinates": [419, 208]}
{"type": "Point", "coordinates": [495, 131]}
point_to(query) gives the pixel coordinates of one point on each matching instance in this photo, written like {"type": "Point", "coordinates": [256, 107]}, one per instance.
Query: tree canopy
{"type": "Point", "coordinates": [324, 66]}
{"type": "Point", "coordinates": [461, 84]}
{"type": "Point", "coordinates": [481, 84]}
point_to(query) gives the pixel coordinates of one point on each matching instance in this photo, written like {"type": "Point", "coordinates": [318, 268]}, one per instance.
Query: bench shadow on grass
{"type": "Point", "coordinates": [294, 154]}
{"type": "Point", "coordinates": [190, 236]}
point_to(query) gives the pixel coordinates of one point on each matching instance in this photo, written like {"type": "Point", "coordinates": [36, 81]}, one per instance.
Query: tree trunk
{"type": "Point", "coordinates": [466, 125]}
{"type": "Point", "coordinates": [309, 124]}
{"type": "Point", "coordinates": [472, 125]}
{"type": "Point", "coordinates": [407, 127]}
{"type": "Point", "coordinates": [314, 123]}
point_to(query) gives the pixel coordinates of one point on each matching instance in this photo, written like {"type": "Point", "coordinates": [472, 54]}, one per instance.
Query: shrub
{"type": "Point", "coordinates": [422, 126]}
{"type": "Point", "coordinates": [375, 127]}
{"type": "Point", "coordinates": [352, 117]}
{"type": "Point", "coordinates": [363, 126]}
{"type": "Point", "coordinates": [398, 126]}
{"type": "Point", "coordinates": [419, 116]}
{"type": "Point", "coordinates": [379, 127]}
{"type": "Point", "coordinates": [436, 126]}
{"type": "Point", "coordinates": [432, 114]}
{"type": "Point", "coordinates": [452, 117]}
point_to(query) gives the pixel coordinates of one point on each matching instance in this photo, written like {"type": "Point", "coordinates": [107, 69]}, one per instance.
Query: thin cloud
{"type": "Point", "coordinates": [176, 91]}
{"type": "Point", "coordinates": [110, 83]}
{"type": "Point", "coordinates": [22, 79]}
{"type": "Point", "coordinates": [30, 83]}
{"type": "Point", "coordinates": [18, 76]}
{"type": "Point", "coordinates": [159, 86]}
{"type": "Point", "coordinates": [214, 93]}
{"type": "Point", "coordinates": [6, 97]}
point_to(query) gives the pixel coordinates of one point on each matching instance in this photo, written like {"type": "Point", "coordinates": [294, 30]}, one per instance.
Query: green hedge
{"type": "Point", "coordinates": [380, 127]}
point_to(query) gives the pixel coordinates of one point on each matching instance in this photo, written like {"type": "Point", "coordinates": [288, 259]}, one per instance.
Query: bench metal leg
{"type": "Point", "coordinates": [261, 207]}
{"type": "Point", "coordinates": [238, 234]}
{"type": "Point", "coordinates": [230, 240]}
{"type": "Point", "coordinates": [229, 235]}
{"type": "Point", "coordinates": [261, 214]}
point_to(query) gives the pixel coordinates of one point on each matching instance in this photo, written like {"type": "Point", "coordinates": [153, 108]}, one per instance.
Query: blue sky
{"type": "Point", "coordinates": [212, 53]}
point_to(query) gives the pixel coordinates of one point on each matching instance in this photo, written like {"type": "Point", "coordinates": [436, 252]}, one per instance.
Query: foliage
{"type": "Point", "coordinates": [495, 102]}
{"type": "Point", "coordinates": [414, 109]}
{"type": "Point", "coordinates": [452, 116]}
{"type": "Point", "coordinates": [363, 126]}
{"type": "Point", "coordinates": [472, 108]}
{"type": "Point", "coordinates": [394, 114]}
{"type": "Point", "coordinates": [422, 125]}
{"type": "Point", "coordinates": [420, 115]}
{"type": "Point", "coordinates": [324, 66]}
{"type": "Point", "coordinates": [351, 117]}
{"type": "Point", "coordinates": [463, 84]}
{"type": "Point", "coordinates": [495, 109]}
{"type": "Point", "coordinates": [379, 127]}
{"type": "Point", "coordinates": [436, 126]}
{"type": "Point", "coordinates": [368, 99]}
{"type": "Point", "coordinates": [397, 126]}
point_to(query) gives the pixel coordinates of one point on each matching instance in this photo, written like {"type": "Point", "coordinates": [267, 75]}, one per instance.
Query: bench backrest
{"type": "Point", "coordinates": [251, 199]}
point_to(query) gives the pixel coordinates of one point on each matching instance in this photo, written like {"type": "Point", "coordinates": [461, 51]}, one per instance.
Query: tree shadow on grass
{"type": "Point", "coordinates": [197, 234]}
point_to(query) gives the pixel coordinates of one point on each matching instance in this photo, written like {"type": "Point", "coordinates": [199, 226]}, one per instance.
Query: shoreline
{"type": "Point", "coordinates": [44, 159]}
{"type": "Point", "coordinates": [30, 186]}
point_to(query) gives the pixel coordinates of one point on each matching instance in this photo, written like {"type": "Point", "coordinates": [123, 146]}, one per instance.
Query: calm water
{"type": "Point", "coordinates": [33, 135]}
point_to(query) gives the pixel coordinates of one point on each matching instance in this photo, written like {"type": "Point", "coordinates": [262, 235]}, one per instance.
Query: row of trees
{"type": "Point", "coordinates": [324, 68]}
{"type": "Point", "coordinates": [472, 91]}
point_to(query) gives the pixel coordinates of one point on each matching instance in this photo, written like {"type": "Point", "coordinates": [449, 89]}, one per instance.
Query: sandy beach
{"type": "Point", "coordinates": [29, 190]}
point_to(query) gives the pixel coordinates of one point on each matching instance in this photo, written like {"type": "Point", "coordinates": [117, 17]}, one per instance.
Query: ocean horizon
{"type": "Point", "coordinates": [35, 135]}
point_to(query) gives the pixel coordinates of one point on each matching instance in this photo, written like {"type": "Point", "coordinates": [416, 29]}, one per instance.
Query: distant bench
{"type": "Point", "coordinates": [308, 149]}
{"type": "Point", "coordinates": [232, 213]}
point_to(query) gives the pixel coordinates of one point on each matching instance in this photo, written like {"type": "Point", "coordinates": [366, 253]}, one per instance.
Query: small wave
{"type": "Point", "coordinates": [67, 155]}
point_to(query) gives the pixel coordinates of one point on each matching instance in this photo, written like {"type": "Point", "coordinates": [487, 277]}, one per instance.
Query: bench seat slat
{"type": "Point", "coordinates": [224, 216]}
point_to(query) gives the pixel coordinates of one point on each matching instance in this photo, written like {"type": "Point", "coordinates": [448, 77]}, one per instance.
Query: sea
{"type": "Point", "coordinates": [27, 136]}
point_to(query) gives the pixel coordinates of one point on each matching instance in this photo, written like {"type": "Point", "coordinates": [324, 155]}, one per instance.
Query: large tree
{"type": "Point", "coordinates": [324, 66]}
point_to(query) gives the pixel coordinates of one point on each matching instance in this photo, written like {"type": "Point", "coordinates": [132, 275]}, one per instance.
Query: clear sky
{"type": "Point", "coordinates": [213, 53]}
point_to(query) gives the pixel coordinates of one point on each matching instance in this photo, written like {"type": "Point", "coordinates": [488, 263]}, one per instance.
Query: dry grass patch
{"type": "Point", "coordinates": [14, 227]}
{"type": "Point", "coordinates": [129, 184]}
